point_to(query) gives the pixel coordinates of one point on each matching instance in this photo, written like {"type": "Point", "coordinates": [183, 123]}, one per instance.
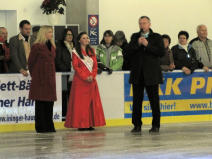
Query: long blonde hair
{"type": "Point", "coordinates": [41, 36]}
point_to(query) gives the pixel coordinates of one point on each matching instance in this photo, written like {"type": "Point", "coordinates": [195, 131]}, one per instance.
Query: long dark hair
{"type": "Point", "coordinates": [88, 47]}
{"type": "Point", "coordinates": [109, 33]}
{"type": "Point", "coordinates": [65, 31]}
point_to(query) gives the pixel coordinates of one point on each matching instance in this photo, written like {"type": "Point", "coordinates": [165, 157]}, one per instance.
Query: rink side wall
{"type": "Point", "coordinates": [182, 99]}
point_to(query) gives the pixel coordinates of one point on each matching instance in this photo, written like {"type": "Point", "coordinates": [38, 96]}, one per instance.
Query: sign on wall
{"type": "Point", "coordinates": [15, 107]}
{"type": "Point", "coordinates": [93, 29]}
{"type": "Point", "coordinates": [180, 95]}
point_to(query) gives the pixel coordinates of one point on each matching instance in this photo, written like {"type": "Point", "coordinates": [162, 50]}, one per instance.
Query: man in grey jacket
{"type": "Point", "coordinates": [20, 49]}
{"type": "Point", "coordinates": [203, 46]}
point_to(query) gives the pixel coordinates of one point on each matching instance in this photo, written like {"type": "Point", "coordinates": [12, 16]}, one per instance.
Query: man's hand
{"type": "Point", "coordinates": [24, 72]}
{"type": "Point", "coordinates": [142, 41]}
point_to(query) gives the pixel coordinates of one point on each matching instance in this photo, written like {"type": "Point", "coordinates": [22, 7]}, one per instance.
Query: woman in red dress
{"type": "Point", "coordinates": [85, 108]}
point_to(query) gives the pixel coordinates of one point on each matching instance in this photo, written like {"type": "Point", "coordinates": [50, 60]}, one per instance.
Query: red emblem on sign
{"type": "Point", "coordinates": [93, 21]}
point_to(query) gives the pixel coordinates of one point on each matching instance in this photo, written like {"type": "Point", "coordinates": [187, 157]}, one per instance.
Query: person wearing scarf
{"type": "Point", "coordinates": [185, 56]}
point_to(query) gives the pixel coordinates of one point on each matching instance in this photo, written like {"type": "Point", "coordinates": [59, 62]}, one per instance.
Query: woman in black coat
{"type": "Point", "coordinates": [64, 50]}
{"type": "Point", "coordinates": [121, 41]}
{"type": "Point", "coordinates": [63, 64]}
{"type": "Point", "coordinates": [185, 56]}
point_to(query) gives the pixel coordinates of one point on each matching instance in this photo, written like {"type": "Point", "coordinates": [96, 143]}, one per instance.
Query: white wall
{"type": "Point", "coordinates": [2, 19]}
{"type": "Point", "coordinates": [8, 19]}
{"type": "Point", "coordinates": [168, 16]}
{"type": "Point", "coordinates": [28, 9]}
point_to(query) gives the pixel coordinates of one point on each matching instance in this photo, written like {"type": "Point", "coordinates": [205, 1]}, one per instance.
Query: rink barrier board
{"type": "Point", "coordinates": [118, 105]}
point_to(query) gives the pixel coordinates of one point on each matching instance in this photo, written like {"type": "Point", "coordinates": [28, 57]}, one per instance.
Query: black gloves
{"type": "Point", "coordinates": [102, 67]}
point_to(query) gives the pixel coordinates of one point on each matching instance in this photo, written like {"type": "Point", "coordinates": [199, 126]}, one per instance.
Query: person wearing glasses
{"type": "Point", "coordinates": [63, 64]}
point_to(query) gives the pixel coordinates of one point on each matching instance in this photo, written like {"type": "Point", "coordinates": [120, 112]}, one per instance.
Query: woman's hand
{"type": "Point", "coordinates": [186, 70]}
{"type": "Point", "coordinates": [205, 68]}
{"type": "Point", "coordinates": [172, 66]}
{"type": "Point", "coordinates": [89, 79]}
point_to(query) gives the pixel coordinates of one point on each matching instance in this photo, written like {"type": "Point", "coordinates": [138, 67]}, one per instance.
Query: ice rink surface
{"type": "Point", "coordinates": [175, 141]}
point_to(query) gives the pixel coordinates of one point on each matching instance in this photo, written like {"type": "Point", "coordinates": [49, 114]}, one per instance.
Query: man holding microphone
{"type": "Point", "coordinates": [146, 47]}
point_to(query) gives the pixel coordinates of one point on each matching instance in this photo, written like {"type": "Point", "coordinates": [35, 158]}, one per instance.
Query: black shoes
{"type": "Point", "coordinates": [82, 129]}
{"type": "Point", "coordinates": [49, 131]}
{"type": "Point", "coordinates": [136, 129]}
{"type": "Point", "coordinates": [86, 129]}
{"type": "Point", "coordinates": [154, 130]}
{"type": "Point", "coordinates": [91, 129]}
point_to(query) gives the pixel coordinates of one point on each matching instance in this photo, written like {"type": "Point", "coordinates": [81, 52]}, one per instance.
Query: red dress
{"type": "Point", "coordinates": [85, 107]}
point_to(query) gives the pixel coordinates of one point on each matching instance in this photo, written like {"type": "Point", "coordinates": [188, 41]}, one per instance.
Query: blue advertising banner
{"type": "Point", "coordinates": [93, 29]}
{"type": "Point", "coordinates": [179, 95]}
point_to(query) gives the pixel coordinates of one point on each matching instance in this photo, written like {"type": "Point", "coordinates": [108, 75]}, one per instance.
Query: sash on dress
{"type": "Point", "coordinates": [87, 61]}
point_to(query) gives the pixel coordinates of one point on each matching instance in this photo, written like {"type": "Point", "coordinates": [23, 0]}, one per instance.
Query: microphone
{"type": "Point", "coordinates": [144, 35]}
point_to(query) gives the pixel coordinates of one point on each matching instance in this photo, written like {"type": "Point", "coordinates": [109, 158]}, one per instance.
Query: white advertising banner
{"type": "Point", "coordinates": [15, 107]}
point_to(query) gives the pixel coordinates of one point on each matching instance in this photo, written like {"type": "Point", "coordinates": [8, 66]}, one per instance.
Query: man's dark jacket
{"type": "Point", "coordinates": [145, 61]}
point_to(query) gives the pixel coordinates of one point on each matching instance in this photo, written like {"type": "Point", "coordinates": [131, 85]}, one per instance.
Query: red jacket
{"type": "Point", "coordinates": [42, 70]}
